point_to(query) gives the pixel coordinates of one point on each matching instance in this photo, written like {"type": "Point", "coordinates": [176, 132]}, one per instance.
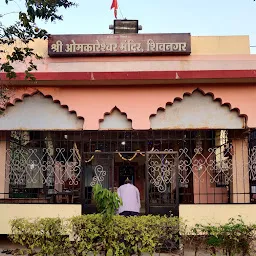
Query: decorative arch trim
{"type": "Point", "coordinates": [36, 111]}
{"type": "Point", "coordinates": [198, 110]}
{"type": "Point", "coordinates": [115, 120]}
{"type": "Point", "coordinates": [33, 92]}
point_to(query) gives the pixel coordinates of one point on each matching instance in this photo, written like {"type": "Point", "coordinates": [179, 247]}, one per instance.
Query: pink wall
{"type": "Point", "coordinates": [144, 63]}
{"type": "Point", "coordinates": [205, 191]}
{"type": "Point", "coordinates": [141, 102]}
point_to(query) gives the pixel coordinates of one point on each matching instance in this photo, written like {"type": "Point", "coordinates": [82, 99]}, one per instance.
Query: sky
{"type": "Point", "coordinates": [198, 17]}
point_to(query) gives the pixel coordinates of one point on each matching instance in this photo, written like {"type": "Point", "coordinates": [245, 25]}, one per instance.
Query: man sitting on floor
{"type": "Point", "coordinates": [130, 196]}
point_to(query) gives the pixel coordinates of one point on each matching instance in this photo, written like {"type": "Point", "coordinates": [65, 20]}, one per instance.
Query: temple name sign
{"type": "Point", "coordinates": [121, 44]}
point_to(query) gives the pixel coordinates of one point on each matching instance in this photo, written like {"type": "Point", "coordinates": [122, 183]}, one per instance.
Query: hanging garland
{"type": "Point", "coordinates": [134, 156]}
{"type": "Point", "coordinates": [79, 156]}
{"type": "Point", "coordinates": [88, 161]}
{"type": "Point", "coordinates": [77, 152]}
{"type": "Point", "coordinates": [120, 155]}
{"type": "Point", "coordinates": [128, 159]}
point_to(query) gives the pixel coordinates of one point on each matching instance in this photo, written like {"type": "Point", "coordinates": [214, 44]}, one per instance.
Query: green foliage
{"type": "Point", "coordinates": [25, 30]}
{"type": "Point", "coordinates": [232, 237]}
{"type": "Point", "coordinates": [107, 201]}
{"type": "Point", "coordinates": [4, 96]}
{"type": "Point", "coordinates": [89, 234]}
{"type": "Point", "coordinates": [49, 234]}
{"type": "Point", "coordinates": [128, 236]}
{"type": "Point", "coordinates": [125, 236]}
{"type": "Point", "coordinates": [136, 235]}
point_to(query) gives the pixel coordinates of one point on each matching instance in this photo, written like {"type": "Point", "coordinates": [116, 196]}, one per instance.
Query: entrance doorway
{"type": "Point", "coordinates": [126, 171]}
{"type": "Point", "coordinates": [154, 173]}
{"type": "Point", "coordinates": [159, 163]}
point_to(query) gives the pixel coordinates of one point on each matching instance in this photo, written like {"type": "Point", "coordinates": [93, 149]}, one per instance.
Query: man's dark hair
{"type": "Point", "coordinates": [127, 181]}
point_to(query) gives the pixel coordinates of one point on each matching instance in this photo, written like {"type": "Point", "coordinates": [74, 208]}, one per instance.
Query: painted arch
{"type": "Point", "coordinates": [37, 112]}
{"type": "Point", "coordinates": [115, 120]}
{"type": "Point", "coordinates": [197, 111]}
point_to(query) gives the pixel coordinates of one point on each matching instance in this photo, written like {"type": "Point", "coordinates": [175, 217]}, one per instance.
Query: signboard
{"type": "Point", "coordinates": [121, 44]}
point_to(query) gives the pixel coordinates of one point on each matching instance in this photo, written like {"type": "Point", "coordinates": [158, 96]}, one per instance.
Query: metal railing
{"type": "Point", "coordinates": [61, 167]}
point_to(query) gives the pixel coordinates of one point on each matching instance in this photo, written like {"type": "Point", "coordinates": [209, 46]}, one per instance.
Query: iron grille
{"type": "Point", "coordinates": [62, 166]}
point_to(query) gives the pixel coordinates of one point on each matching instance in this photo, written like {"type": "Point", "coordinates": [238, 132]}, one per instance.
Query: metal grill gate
{"type": "Point", "coordinates": [162, 180]}
{"type": "Point", "coordinates": [98, 171]}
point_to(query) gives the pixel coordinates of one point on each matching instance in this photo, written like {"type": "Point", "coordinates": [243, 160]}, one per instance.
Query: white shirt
{"type": "Point", "coordinates": [130, 196]}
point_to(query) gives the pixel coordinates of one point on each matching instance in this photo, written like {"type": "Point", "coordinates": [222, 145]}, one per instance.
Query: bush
{"type": "Point", "coordinates": [233, 237]}
{"type": "Point", "coordinates": [49, 234]}
{"type": "Point", "coordinates": [107, 202]}
{"type": "Point", "coordinates": [127, 236]}
{"type": "Point", "coordinates": [124, 236]}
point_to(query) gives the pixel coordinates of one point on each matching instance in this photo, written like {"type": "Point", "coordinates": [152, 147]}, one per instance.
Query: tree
{"type": "Point", "coordinates": [26, 30]}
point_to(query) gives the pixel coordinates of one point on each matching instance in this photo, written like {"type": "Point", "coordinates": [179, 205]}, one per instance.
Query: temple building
{"type": "Point", "coordinates": [174, 113]}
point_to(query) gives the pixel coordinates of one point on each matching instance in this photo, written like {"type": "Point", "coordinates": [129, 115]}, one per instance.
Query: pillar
{"type": "Point", "coordinates": [240, 186]}
{"type": "Point", "coordinates": [4, 145]}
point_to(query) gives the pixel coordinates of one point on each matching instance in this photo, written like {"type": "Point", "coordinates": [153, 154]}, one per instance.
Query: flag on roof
{"type": "Point", "coordinates": [115, 6]}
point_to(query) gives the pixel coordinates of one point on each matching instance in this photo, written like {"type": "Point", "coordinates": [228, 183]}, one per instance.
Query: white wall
{"type": "Point", "coordinates": [39, 113]}
{"type": "Point", "coordinates": [13, 211]}
{"type": "Point", "coordinates": [197, 111]}
{"type": "Point", "coordinates": [115, 121]}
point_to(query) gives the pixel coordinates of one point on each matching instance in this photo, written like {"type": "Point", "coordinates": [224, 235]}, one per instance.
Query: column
{"type": "Point", "coordinates": [240, 187]}
{"type": "Point", "coordinates": [4, 145]}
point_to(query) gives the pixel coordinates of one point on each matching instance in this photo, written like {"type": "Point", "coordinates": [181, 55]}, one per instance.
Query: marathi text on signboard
{"type": "Point", "coordinates": [145, 44]}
